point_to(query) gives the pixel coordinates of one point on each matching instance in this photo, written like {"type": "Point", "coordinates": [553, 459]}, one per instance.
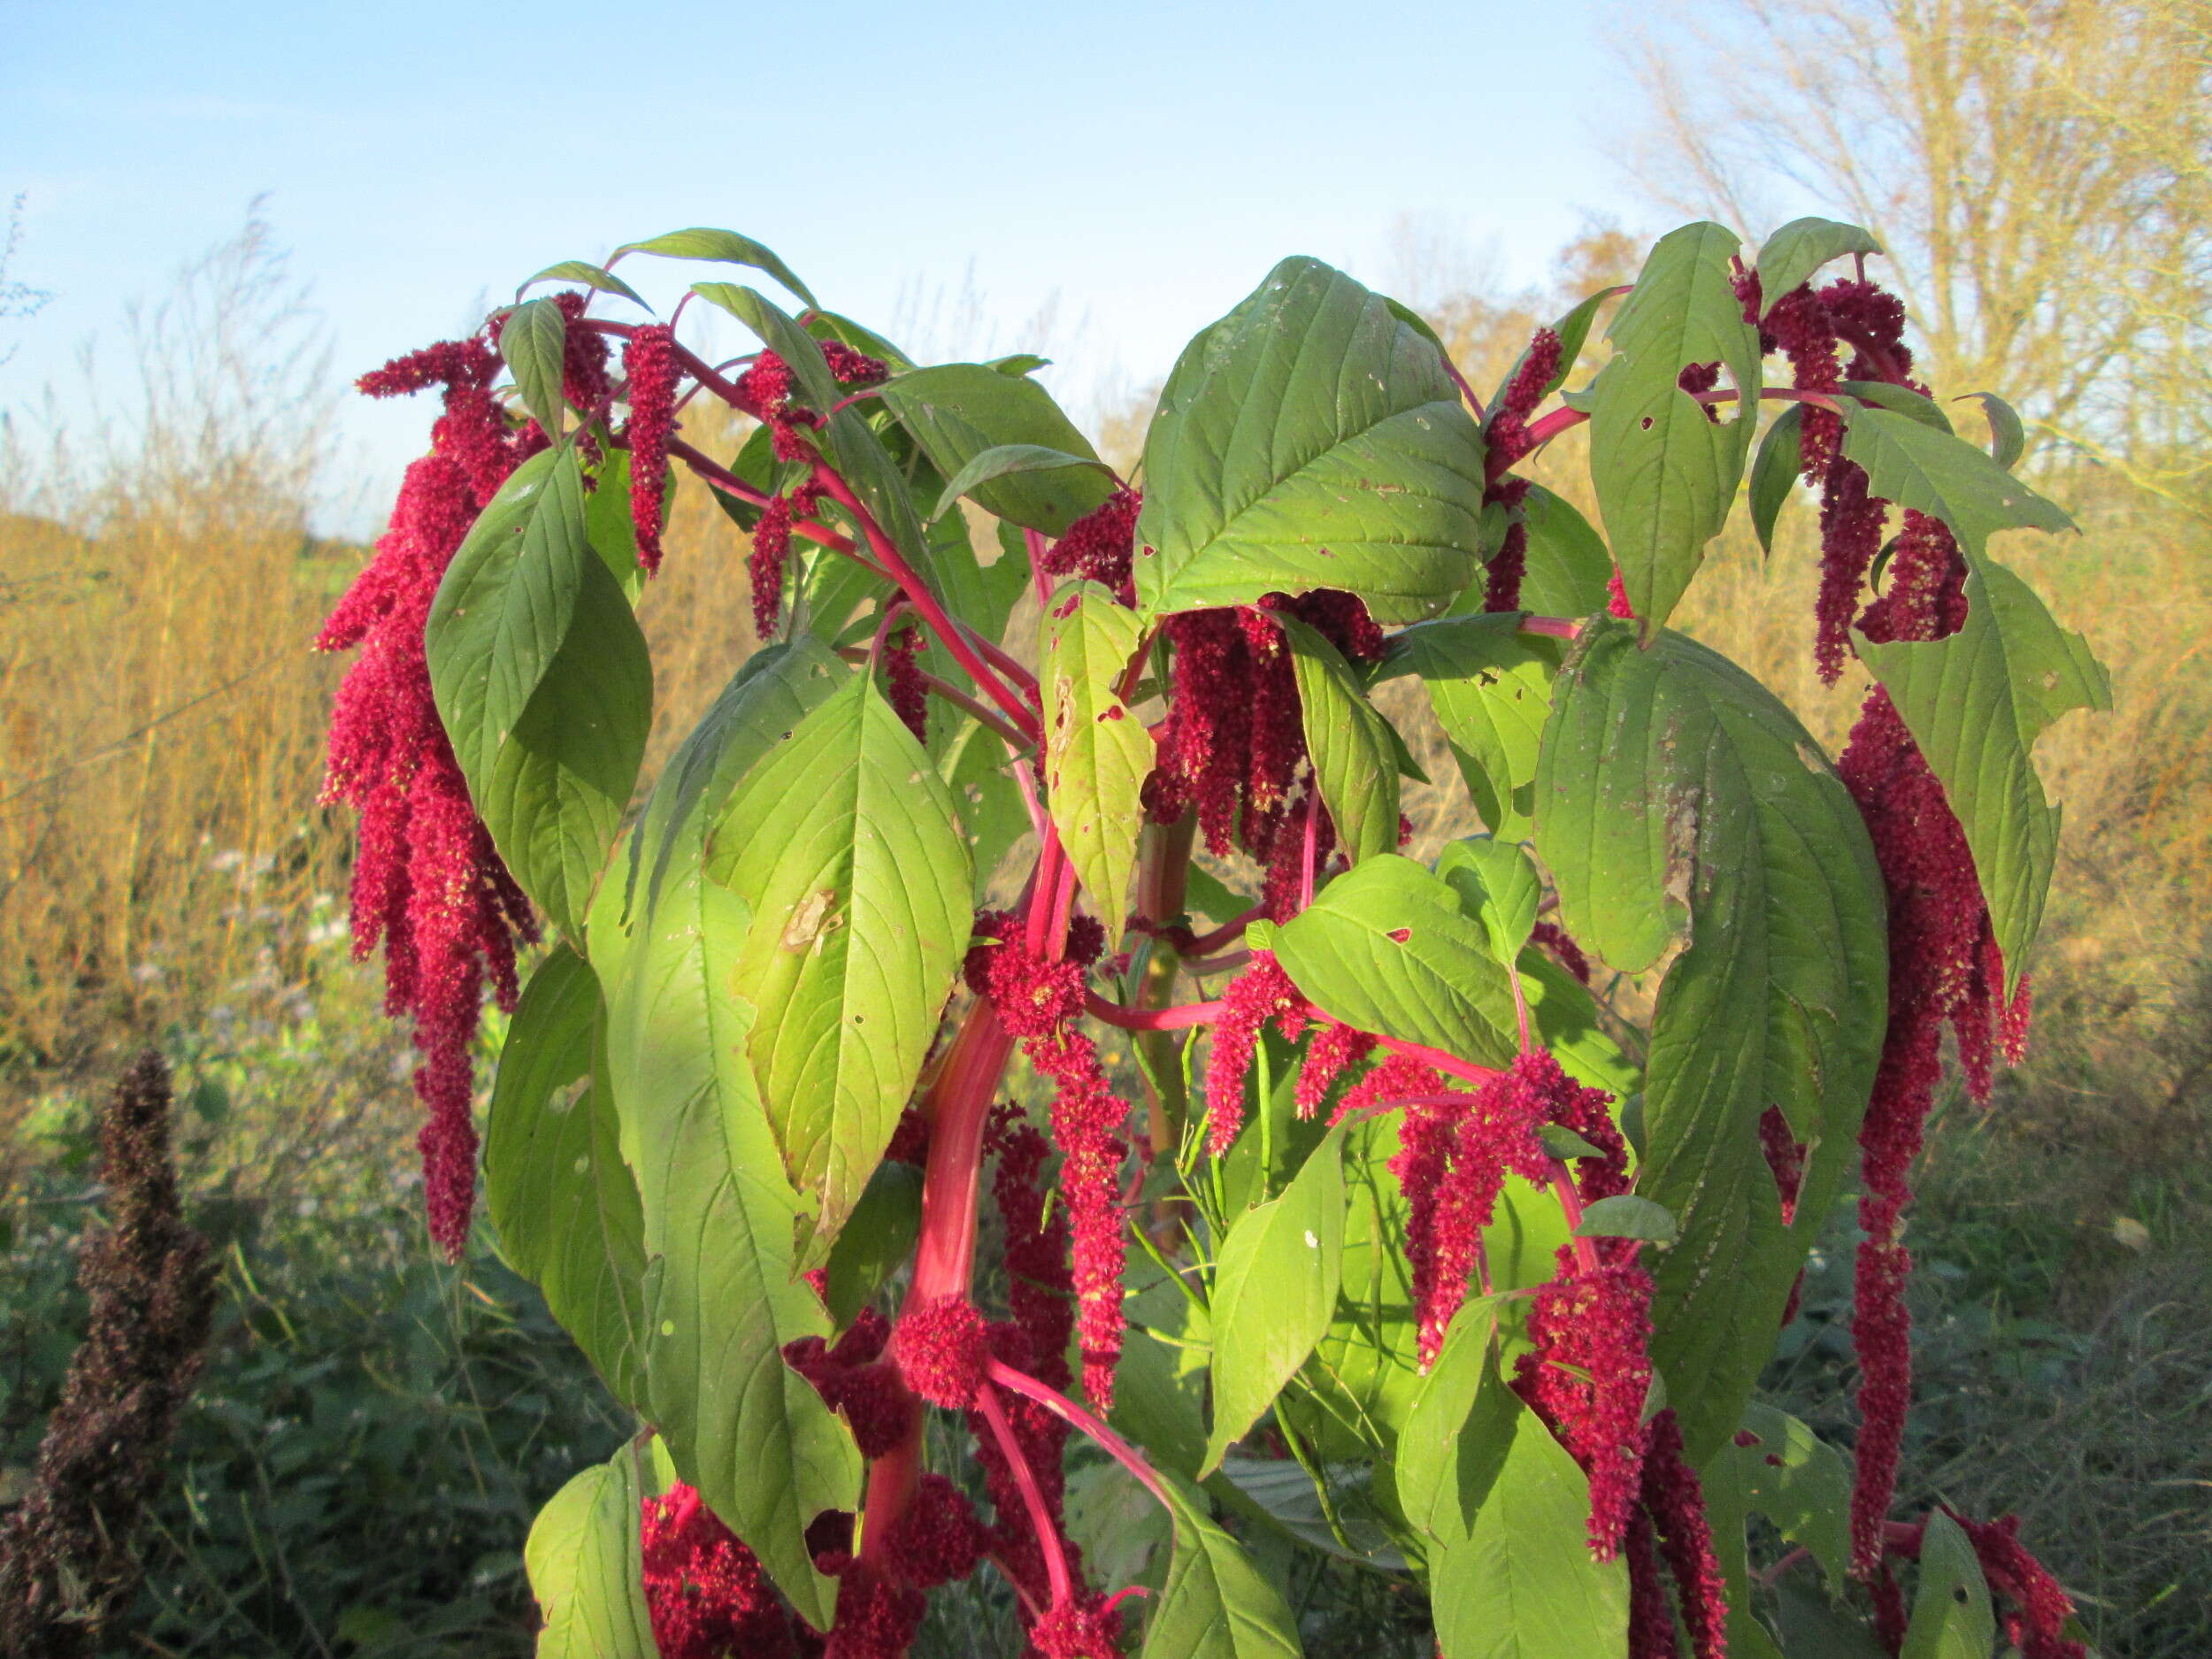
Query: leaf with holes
{"type": "Point", "coordinates": [844, 844]}
{"type": "Point", "coordinates": [1386, 948]}
{"type": "Point", "coordinates": [1951, 1615]}
{"type": "Point", "coordinates": [1311, 439]}
{"type": "Point", "coordinates": [1355, 760]}
{"type": "Point", "coordinates": [1665, 471]}
{"type": "Point", "coordinates": [1097, 752]}
{"type": "Point", "coordinates": [1681, 808]}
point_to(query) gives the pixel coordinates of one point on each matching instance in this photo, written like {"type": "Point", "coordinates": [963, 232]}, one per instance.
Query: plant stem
{"type": "Point", "coordinates": [1179, 1018]}
{"type": "Point", "coordinates": [1127, 1455]}
{"type": "Point", "coordinates": [1033, 1499]}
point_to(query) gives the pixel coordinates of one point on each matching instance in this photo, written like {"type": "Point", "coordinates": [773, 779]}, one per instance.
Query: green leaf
{"type": "Point", "coordinates": [543, 683]}
{"type": "Point", "coordinates": [590, 275]}
{"type": "Point", "coordinates": [1951, 1615]}
{"type": "Point", "coordinates": [1569, 566]}
{"type": "Point", "coordinates": [1942, 475]}
{"type": "Point", "coordinates": [563, 1202]}
{"type": "Point", "coordinates": [724, 246]}
{"type": "Point", "coordinates": [877, 1241]}
{"type": "Point", "coordinates": [844, 844]}
{"type": "Point", "coordinates": [1573, 330]}
{"type": "Point", "coordinates": [608, 525]}
{"type": "Point", "coordinates": [782, 335]}
{"type": "Point", "coordinates": [533, 339]}
{"type": "Point", "coordinates": [1900, 400]}
{"type": "Point", "coordinates": [1814, 1627]}
{"type": "Point", "coordinates": [1665, 474]}
{"type": "Point", "coordinates": [960, 412]}
{"type": "Point", "coordinates": [1792, 253]}
{"type": "Point", "coordinates": [1976, 703]}
{"type": "Point", "coordinates": [1680, 804]}
{"type": "Point", "coordinates": [1283, 1495]}
{"type": "Point", "coordinates": [1355, 762]}
{"type": "Point", "coordinates": [1097, 753]}
{"type": "Point", "coordinates": [1491, 691]}
{"type": "Point", "coordinates": [1796, 1480]}
{"type": "Point", "coordinates": [1009, 460]}
{"type": "Point", "coordinates": [1457, 1434]}
{"type": "Point", "coordinates": [583, 1562]}
{"type": "Point", "coordinates": [1774, 472]}
{"type": "Point", "coordinates": [1215, 1604]}
{"type": "Point", "coordinates": [1629, 1217]}
{"type": "Point", "coordinates": [721, 1293]}
{"type": "Point", "coordinates": [1385, 948]}
{"type": "Point", "coordinates": [1498, 886]}
{"type": "Point", "coordinates": [832, 326]}
{"type": "Point", "coordinates": [1275, 1287]}
{"type": "Point", "coordinates": [2007, 436]}
{"type": "Point", "coordinates": [1522, 1585]}
{"type": "Point", "coordinates": [1311, 439]}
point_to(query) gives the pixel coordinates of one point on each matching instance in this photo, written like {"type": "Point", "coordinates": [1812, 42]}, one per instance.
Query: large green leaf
{"type": "Point", "coordinates": [1774, 472]}
{"type": "Point", "coordinates": [543, 683]}
{"type": "Point", "coordinates": [1386, 948]}
{"type": "Point", "coordinates": [1216, 1604]}
{"type": "Point", "coordinates": [1522, 1585]}
{"type": "Point", "coordinates": [958, 411]}
{"type": "Point", "coordinates": [1311, 439]}
{"type": "Point", "coordinates": [993, 816]}
{"type": "Point", "coordinates": [589, 274]}
{"type": "Point", "coordinates": [1275, 1288]}
{"type": "Point", "coordinates": [1681, 806]}
{"type": "Point", "coordinates": [1666, 474]}
{"type": "Point", "coordinates": [583, 1558]}
{"type": "Point", "coordinates": [724, 246]}
{"type": "Point", "coordinates": [844, 845]}
{"type": "Point", "coordinates": [1491, 690]}
{"type": "Point", "coordinates": [534, 339]}
{"type": "Point", "coordinates": [1459, 1431]}
{"type": "Point", "coordinates": [1355, 762]}
{"type": "Point", "coordinates": [1792, 254]}
{"type": "Point", "coordinates": [1951, 1615]}
{"type": "Point", "coordinates": [1097, 752]}
{"type": "Point", "coordinates": [1976, 700]}
{"type": "Point", "coordinates": [1009, 460]}
{"type": "Point", "coordinates": [1794, 1477]}
{"type": "Point", "coordinates": [782, 335]}
{"type": "Point", "coordinates": [565, 1203]}
{"type": "Point", "coordinates": [721, 1296]}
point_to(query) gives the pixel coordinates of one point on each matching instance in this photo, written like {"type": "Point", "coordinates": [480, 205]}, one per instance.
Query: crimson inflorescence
{"type": "Point", "coordinates": [771, 551]}
{"type": "Point", "coordinates": [1554, 939]}
{"type": "Point", "coordinates": [1038, 1000]}
{"type": "Point", "coordinates": [1675, 1501]}
{"type": "Point", "coordinates": [856, 1381]}
{"type": "Point", "coordinates": [1233, 744]}
{"type": "Point", "coordinates": [1099, 546]}
{"type": "Point", "coordinates": [649, 360]}
{"type": "Point", "coordinates": [1588, 1378]}
{"type": "Point", "coordinates": [939, 1539]}
{"type": "Point", "coordinates": [2035, 1621]}
{"type": "Point", "coordinates": [428, 887]}
{"type": "Point", "coordinates": [1261, 993]}
{"type": "Point", "coordinates": [1505, 435]}
{"type": "Point", "coordinates": [904, 687]}
{"type": "Point", "coordinates": [706, 1593]}
{"type": "Point", "coordinates": [941, 1352]}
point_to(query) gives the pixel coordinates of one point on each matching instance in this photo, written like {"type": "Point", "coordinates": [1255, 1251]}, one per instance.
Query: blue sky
{"type": "Point", "coordinates": [1143, 163]}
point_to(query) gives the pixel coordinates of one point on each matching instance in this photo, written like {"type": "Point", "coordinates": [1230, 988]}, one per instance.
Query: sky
{"type": "Point", "coordinates": [1127, 173]}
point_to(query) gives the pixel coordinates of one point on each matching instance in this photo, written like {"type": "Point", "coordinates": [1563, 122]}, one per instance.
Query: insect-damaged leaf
{"type": "Point", "coordinates": [844, 845]}
{"type": "Point", "coordinates": [1680, 806]}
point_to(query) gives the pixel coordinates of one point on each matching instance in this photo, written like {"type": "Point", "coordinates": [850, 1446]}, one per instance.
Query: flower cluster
{"type": "Point", "coordinates": [649, 360]}
{"type": "Point", "coordinates": [1673, 1500]}
{"type": "Point", "coordinates": [706, 1593]}
{"type": "Point", "coordinates": [427, 886]}
{"type": "Point", "coordinates": [857, 1382]}
{"type": "Point", "coordinates": [1588, 1378]}
{"type": "Point", "coordinates": [1038, 1000]}
{"type": "Point", "coordinates": [1505, 435]}
{"type": "Point", "coordinates": [1099, 546]}
{"type": "Point", "coordinates": [1233, 744]}
{"type": "Point", "coordinates": [907, 690]}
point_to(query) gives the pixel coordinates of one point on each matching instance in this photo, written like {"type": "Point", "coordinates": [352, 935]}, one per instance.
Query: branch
{"type": "Point", "coordinates": [1180, 1018]}
{"type": "Point", "coordinates": [1006, 1377]}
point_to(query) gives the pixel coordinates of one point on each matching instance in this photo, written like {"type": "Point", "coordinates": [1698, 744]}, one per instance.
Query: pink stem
{"type": "Point", "coordinates": [1180, 1018]}
{"type": "Point", "coordinates": [1222, 963]}
{"type": "Point", "coordinates": [1539, 434]}
{"type": "Point", "coordinates": [1033, 1499]}
{"type": "Point", "coordinates": [1551, 627]}
{"type": "Point", "coordinates": [1225, 932]}
{"type": "Point", "coordinates": [949, 633]}
{"type": "Point", "coordinates": [1034, 543]}
{"type": "Point", "coordinates": [1562, 1187]}
{"type": "Point", "coordinates": [1075, 1417]}
{"type": "Point", "coordinates": [1450, 1065]}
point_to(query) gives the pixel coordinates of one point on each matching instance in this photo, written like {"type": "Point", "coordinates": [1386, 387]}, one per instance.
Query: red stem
{"type": "Point", "coordinates": [1075, 1417]}
{"type": "Point", "coordinates": [1562, 1187]}
{"type": "Point", "coordinates": [1180, 1018]}
{"type": "Point", "coordinates": [1228, 930]}
{"type": "Point", "coordinates": [983, 712]}
{"type": "Point", "coordinates": [949, 633]}
{"type": "Point", "coordinates": [1450, 1065]}
{"type": "Point", "coordinates": [1033, 1499]}
{"type": "Point", "coordinates": [1033, 544]}
{"type": "Point", "coordinates": [1539, 434]}
{"type": "Point", "coordinates": [1550, 627]}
